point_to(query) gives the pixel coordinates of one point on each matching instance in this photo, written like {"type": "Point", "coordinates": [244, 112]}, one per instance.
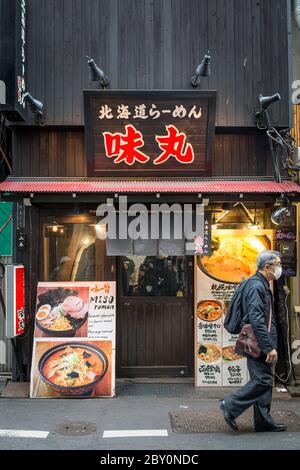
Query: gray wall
{"type": "Point", "coordinates": [296, 50]}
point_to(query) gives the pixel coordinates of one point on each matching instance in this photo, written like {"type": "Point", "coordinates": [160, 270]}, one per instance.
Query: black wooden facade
{"type": "Point", "coordinates": [148, 44]}
{"type": "Point", "coordinates": [154, 44]}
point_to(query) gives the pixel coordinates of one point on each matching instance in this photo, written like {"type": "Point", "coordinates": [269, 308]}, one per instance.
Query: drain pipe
{"type": "Point", "coordinates": [297, 12]}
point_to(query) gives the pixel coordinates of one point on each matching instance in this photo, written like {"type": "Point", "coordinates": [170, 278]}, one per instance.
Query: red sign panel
{"type": "Point", "coordinates": [14, 300]}
{"type": "Point", "coordinates": [154, 133]}
{"type": "Point", "coordinates": [19, 301]}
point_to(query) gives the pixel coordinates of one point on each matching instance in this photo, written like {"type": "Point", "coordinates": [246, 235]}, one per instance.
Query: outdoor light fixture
{"type": "Point", "coordinates": [278, 215]}
{"type": "Point", "coordinates": [262, 121]}
{"type": "Point", "coordinates": [35, 106]}
{"type": "Point", "coordinates": [261, 116]}
{"type": "Point", "coordinates": [266, 101]}
{"type": "Point", "coordinates": [203, 70]}
{"type": "Point", "coordinates": [96, 74]}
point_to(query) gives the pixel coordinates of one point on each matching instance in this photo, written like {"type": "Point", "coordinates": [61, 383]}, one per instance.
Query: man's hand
{"type": "Point", "coordinates": [272, 356]}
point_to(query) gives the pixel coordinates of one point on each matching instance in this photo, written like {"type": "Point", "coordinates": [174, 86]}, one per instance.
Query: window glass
{"type": "Point", "coordinates": [153, 275]}
{"type": "Point", "coordinates": [69, 252]}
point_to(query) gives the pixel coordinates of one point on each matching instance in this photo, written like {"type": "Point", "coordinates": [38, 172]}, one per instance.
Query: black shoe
{"type": "Point", "coordinates": [276, 427]}
{"type": "Point", "coordinates": [228, 418]}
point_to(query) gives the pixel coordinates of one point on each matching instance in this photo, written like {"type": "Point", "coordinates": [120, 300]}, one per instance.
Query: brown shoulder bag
{"type": "Point", "coordinates": [247, 343]}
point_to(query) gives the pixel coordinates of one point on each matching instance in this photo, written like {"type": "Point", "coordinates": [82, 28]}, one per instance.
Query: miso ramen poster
{"type": "Point", "coordinates": [217, 276]}
{"type": "Point", "coordinates": [74, 340]}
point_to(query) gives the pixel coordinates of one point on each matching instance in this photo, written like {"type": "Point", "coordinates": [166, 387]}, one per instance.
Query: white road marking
{"type": "Point", "coordinates": [136, 433]}
{"type": "Point", "coordinates": [23, 433]}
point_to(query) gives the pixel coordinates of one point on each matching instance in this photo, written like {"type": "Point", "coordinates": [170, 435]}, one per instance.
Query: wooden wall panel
{"type": "Point", "coordinates": [62, 153]}
{"type": "Point", "coordinates": [158, 44]}
{"type": "Point", "coordinates": [49, 153]}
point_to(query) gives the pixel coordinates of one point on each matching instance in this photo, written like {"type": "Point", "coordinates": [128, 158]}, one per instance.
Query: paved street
{"type": "Point", "coordinates": [146, 411]}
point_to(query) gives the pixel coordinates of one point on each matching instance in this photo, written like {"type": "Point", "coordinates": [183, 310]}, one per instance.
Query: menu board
{"type": "Point", "coordinates": [217, 276]}
{"type": "Point", "coordinates": [74, 340]}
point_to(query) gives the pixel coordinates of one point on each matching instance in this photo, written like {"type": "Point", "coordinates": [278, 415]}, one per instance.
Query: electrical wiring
{"type": "Point", "coordinates": [280, 377]}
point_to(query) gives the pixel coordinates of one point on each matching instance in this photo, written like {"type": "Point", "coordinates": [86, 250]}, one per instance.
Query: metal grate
{"type": "Point", "coordinates": [75, 428]}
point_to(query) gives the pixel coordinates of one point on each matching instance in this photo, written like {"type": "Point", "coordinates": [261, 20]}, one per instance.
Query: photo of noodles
{"type": "Point", "coordinates": [62, 312]}
{"type": "Point", "coordinates": [234, 254]}
{"type": "Point", "coordinates": [209, 310]}
{"type": "Point", "coordinates": [71, 368]}
{"type": "Point", "coordinates": [209, 352]}
{"type": "Point", "coordinates": [229, 354]}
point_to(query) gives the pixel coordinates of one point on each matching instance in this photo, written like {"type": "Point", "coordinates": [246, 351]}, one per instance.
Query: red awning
{"type": "Point", "coordinates": [113, 185]}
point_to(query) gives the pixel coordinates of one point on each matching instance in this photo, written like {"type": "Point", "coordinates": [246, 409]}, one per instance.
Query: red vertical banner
{"type": "Point", "coordinates": [19, 294]}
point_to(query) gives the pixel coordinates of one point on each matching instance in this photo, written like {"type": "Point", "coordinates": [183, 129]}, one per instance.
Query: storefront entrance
{"type": "Point", "coordinates": [155, 316]}
{"type": "Point", "coordinates": [155, 295]}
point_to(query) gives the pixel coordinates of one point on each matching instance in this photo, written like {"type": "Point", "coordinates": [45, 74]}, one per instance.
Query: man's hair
{"type": "Point", "coordinates": [266, 257]}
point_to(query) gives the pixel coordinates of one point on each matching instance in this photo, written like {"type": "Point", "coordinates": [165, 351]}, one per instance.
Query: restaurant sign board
{"type": "Point", "coordinates": [149, 133]}
{"type": "Point", "coordinates": [233, 258]}
{"type": "Point", "coordinates": [74, 340]}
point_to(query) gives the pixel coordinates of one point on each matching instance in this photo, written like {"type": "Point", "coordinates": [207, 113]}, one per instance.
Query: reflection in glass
{"type": "Point", "coordinates": [69, 254]}
{"type": "Point", "coordinates": [153, 275]}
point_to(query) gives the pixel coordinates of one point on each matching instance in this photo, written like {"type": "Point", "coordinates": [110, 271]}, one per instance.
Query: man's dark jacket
{"type": "Point", "coordinates": [256, 307]}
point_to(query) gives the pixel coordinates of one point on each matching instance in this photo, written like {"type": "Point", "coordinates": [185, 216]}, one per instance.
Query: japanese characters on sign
{"type": "Point", "coordinates": [232, 259]}
{"type": "Point", "coordinates": [215, 358]}
{"type": "Point", "coordinates": [74, 340]}
{"type": "Point", "coordinates": [14, 300]}
{"type": "Point", "coordinates": [149, 132]}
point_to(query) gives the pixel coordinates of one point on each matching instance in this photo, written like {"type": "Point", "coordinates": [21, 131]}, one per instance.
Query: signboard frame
{"type": "Point", "coordinates": [94, 334]}
{"type": "Point", "coordinates": [152, 97]}
{"type": "Point", "coordinates": [15, 300]}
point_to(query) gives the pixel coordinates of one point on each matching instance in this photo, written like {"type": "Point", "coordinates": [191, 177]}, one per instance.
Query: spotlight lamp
{"type": "Point", "coordinates": [283, 210]}
{"type": "Point", "coordinates": [35, 106]}
{"type": "Point", "coordinates": [203, 70]}
{"type": "Point", "coordinates": [262, 121]}
{"type": "Point", "coordinates": [261, 115]}
{"type": "Point", "coordinates": [96, 74]}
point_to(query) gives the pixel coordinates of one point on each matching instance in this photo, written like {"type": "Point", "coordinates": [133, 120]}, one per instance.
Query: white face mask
{"type": "Point", "coordinates": [278, 272]}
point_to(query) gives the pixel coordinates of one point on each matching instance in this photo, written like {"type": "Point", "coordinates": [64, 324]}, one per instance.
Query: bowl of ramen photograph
{"type": "Point", "coordinates": [209, 310]}
{"type": "Point", "coordinates": [233, 255]}
{"type": "Point", "coordinates": [73, 368]}
{"type": "Point", "coordinates": [209, 352]}
{"type": "Point", "coordinates": [62, 312]}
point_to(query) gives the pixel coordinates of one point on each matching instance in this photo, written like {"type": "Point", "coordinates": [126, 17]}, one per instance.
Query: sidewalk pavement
{"type": "Point", "coordinates": [141, 412]}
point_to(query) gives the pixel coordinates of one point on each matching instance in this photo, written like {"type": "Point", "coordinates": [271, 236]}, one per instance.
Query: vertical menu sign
{"type": "Point", "coordinates": [232, 259]}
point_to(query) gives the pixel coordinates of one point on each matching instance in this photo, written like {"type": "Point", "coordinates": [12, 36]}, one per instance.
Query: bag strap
{"type": "Point", "coordinates": [271, 309]}
{"type": "Point", "coordinates": [270, 315]}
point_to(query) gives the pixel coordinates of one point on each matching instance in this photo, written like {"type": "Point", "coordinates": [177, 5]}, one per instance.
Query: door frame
{"type": "Point", "coordinates": [188, 300]}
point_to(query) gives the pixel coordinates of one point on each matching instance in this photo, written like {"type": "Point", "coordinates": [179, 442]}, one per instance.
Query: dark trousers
{"type": "Point", "coordinates": [257, 392]}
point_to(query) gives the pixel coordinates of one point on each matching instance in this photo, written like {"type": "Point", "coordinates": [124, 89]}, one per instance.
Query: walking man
{"type": "Point", "coordinates": [257, 302]}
